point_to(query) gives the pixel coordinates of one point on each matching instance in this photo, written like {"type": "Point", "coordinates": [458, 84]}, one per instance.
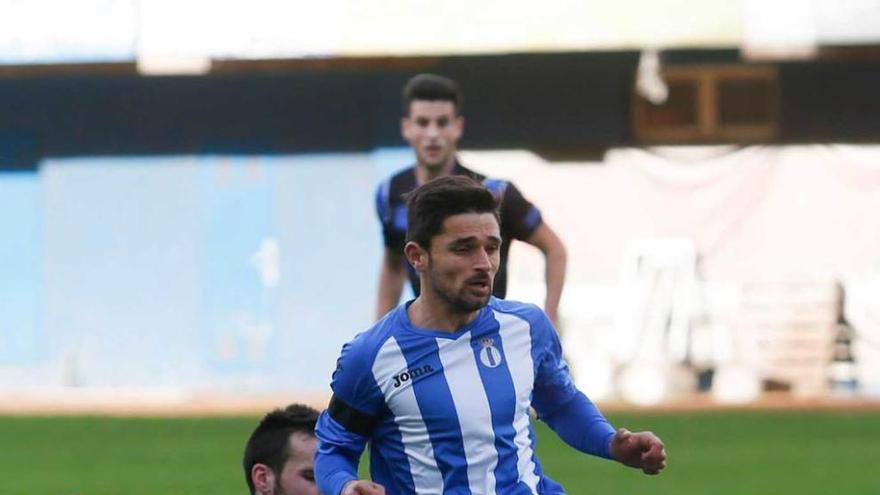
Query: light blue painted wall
{"type": "Point", "coordinates": [21, 342]}
{"type": "Point", "coordinates": [204, 273]}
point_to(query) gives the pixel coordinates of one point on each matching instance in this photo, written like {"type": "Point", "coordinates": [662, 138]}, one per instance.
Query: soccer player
{"type": "Point", "coordinates": [279, 455]}
{"type": "Point", "coordinates": [432, 125]}
{"type": "Point", "coordinates": [442, 385]}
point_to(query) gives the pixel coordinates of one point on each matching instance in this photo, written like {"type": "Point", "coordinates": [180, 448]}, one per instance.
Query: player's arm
{"type": "Point", "coordinates": [347, 424]}
{"type": "Point", "coordinates": [555, 261]}
{"type": "Point", "coordinates": [564, 408]}
{"type": "Point", "coordinates": [577, 420]}
{"type": "Point", "coordinates": [525, 223]}
{"type": "Point", "coordinates": [337, 456]}
{"type": "Point", "coordinates": [392, 272]}
{"type": "Point", "coordinates": [392, 277]}
{"type": "Point", "coordinates": [342, 433]}
{"type": "Point", "coordinates": [336, 462]}
{"type": "Point", "coordinates": [580, 424]}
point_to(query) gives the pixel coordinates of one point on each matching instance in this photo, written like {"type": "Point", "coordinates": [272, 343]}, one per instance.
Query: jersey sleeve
{"type": "Point", "coordinates": [580, 424]}
{"type": "Point", "coordinates": [357, 401]}
{"type": "Point", "coordinates": [337, 455]}
{"type": "Point", "coordinates": [520, 217]}
{"type": "Point", "coordinates": [344, 428]}
{"type": "Point", "coordinates": [553, 384]}
{"type": "Point", "coordinates": [560, 404]}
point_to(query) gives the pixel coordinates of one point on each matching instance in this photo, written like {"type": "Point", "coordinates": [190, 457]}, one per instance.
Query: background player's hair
{"type": "Point", "coordinates": [269, 443]}
{"type": "Point", "coordinates": [433, 202]}
{"type": "Point", "coordinates": [432, 87]}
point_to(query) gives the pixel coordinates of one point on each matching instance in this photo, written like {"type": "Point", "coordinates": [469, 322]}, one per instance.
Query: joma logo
{"type": "Point", "coordinates": [411, 374]}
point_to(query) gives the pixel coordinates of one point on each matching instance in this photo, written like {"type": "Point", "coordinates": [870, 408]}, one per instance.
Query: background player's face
{"type": "Point", "coordinates": [297, 477]}
{"type": "Point", "coordinates": [463, 260]}
{"type": "Point", "coordinates": [432, 129]}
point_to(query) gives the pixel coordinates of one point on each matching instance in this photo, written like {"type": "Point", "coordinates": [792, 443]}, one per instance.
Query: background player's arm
{"type": "Point", "coordinates": [392, 276]}
{"type": "Point", "coordinates": [556, 259]}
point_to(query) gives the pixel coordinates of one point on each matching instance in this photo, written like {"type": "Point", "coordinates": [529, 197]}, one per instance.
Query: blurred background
{"type": "Point", "coordinates": [186, 192]}
{"type": "Point", "coordinates": [187, 187]}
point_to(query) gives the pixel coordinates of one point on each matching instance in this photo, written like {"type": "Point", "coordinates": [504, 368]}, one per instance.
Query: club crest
{"type": "Point", "coordinates": [490, 356]}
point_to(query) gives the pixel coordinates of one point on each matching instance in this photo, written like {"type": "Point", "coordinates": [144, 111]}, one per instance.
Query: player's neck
{"type": "Point", "coordinates": [429, 312]}
{"type": "Point", "coordinates": [425, 173]}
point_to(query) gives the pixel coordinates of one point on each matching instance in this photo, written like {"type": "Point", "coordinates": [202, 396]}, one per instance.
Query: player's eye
{"type": "Point", "coordinates": [308, 475]}
{"type": "Point", "coordinates": [461, 248]}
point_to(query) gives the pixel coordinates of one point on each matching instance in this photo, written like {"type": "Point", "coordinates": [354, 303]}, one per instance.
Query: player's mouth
{"type": "Point", "coordinates": [480, 285]}
{"type": "Point", "coordinates": [433, 149]}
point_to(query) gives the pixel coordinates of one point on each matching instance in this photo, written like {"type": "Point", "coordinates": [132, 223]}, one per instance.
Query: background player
{"type": "Point", "coordinates": [433, 125]}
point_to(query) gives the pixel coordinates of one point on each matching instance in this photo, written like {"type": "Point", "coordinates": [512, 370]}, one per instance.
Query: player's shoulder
{"type": "Point", "coordinates": [402, 174]}
{"type": "Point", "coordinates": [497, 185]}
{"type": "Point", "coordinates": [460, 169]}
{"type": "Point", "coordinates": [366, 344]}
{"type": "Point", "coordinates": [540, 328]}
{"type": "Point", "coordinates": [390, 192]}
{"type": "Point", "coordinates": [525, 311]}
{"type": "Point", "coordinates": [400, 182]}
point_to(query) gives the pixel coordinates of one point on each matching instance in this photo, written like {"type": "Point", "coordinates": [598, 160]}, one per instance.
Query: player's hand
{"type": "Point", "coordinates": [643, 450]}
{"type": "Point", "coordinates": [362, 487]}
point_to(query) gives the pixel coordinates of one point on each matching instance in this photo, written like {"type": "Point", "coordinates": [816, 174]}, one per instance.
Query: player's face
{"type": "Point", "coordinates": [463, 260]}
{"type": "Point", "coordinates": [298, 474]}
{"type": "Point", "coordinates": [432, 129]}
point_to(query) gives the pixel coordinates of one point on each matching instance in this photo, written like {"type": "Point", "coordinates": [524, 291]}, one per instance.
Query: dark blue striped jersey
{"type": "Point", "coordinates": [448, 413]}
{"type": "Point", "coordinates": [519, 217]}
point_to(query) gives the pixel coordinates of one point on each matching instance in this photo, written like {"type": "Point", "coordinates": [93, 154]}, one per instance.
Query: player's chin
{"type": "Point", "coordinates": [472, 302]}
{"type": "Point", "coordinates": [477, 301]}
{"type": "Point", "coordinates": [434, 158]}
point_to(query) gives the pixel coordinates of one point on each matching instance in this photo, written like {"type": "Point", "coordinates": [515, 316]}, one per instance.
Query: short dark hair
{"type": "Point", "coordinates": [432, 203]}
{"type": "Point", "coordinates": [269, 443]}
{"type": "Point", "coordinates": [432, 87]}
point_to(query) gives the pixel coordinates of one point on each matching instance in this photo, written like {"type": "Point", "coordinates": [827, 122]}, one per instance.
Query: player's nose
{"type": "Point", "coordinates": [483, 260]}
{"type": "Point", "coordinates": [432, 131]}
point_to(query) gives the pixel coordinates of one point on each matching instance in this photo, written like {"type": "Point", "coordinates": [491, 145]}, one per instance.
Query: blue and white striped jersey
{"type": "Point", "coordinates": [448, 413]}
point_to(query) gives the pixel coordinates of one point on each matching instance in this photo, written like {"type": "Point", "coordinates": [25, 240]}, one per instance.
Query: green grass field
{"type": "Point", "coordinates": [719, 453]}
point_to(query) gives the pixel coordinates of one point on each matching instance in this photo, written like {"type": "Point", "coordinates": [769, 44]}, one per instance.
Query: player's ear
{"type": "Point", "coordinates": [459, 126]}
{"type": "Point", "coordinates": [416, 256]}
{"type": "Point", "coordinates": [263, 478]}
{"type": "Point", "coordinates": [404, 128]}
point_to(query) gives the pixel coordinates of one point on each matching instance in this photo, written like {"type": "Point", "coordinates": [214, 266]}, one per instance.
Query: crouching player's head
{"type": "Point", "coordinates": [279, 455]}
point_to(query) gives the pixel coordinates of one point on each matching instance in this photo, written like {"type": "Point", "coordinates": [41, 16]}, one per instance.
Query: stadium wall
{"type": "Point", "coordinates": [246, 274]}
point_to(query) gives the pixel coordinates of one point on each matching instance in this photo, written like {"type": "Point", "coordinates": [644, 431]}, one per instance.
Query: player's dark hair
{"type": "Point", "coordinates": [432, 203]}
{"type": "Point", "coordinates": [269, 443]}
{"type": "Point", "coordinates": [432, 87]}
